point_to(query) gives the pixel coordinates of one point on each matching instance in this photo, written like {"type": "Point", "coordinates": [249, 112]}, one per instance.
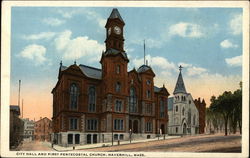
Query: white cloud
{"type": "Point", "coordinates": [88, 13]}
{"type": "Point", "coordinates": [42, 35]}
{"type": "Point", "coordinates": [234, 61]}
{"type": "Point", "coordinates": [236, 24]}
{"type": "Point", "coordinates": [35, 53]}
{"type": "Point", "coordinates": [75, 48]}
{"type": "Point", "coordinates": [193, 70]}
{"type": "Point", "coordinates": [184, 29]}
{"type": "Point", "coordinates": [53, 21]}
{"type": "Point", "coordinates": [228, 44]}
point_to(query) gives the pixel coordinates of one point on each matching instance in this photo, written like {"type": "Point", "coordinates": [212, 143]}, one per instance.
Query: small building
{"type": "Point", "coordinates": [28, 133]}
{"type": "Point", "coordinates": [16, 127]}
{"type": "Point", "coordinates": [183, 114]}
{"type": "Point", "coordinates": [43, 129]}
{"type": "Point", "coordinates": [201, 106]}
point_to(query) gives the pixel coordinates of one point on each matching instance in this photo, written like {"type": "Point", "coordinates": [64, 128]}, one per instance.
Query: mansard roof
{"type": "Point", "coordinates": [180, 87]}
{"type": "Point", "coordinates": [143, 68]}
{"type": "Point", "coordinates": [115, 15]}
{"type": "Point", "coordinates": [157, 89]}
{"type": "Point", "coordinates": [170, 103]}
{"type": "Point", "coordinates": [162, 90]}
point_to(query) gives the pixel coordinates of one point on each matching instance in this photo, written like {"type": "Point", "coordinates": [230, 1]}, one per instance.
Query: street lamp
{"type": "Point", "coordinates": [130, 133]}
{"type": "Point", "coordinates": [158, 133]}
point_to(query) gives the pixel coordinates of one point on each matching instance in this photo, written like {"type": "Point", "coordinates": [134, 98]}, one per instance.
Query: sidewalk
{"type": "Point", "coordinates": [108, 144]}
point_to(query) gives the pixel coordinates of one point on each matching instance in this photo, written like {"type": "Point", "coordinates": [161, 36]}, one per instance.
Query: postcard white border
{"type": "Point", "coordinates": [5, 63]}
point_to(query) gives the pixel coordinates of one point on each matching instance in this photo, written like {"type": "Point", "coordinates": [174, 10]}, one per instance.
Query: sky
{"type": "Point", "coordinates": [207, 42]}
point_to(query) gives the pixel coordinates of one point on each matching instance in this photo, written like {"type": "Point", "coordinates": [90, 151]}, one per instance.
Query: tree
{"type": "Point", "coordinates": [224, 105]}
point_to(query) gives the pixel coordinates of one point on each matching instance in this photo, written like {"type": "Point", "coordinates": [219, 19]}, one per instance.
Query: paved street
{"type": "Point", "coordinates": [35, 146]}
{"type": "Point", "coordinates": [202, 143]}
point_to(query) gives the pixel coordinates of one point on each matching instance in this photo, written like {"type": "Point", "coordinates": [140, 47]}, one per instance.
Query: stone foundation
{"type": "Point", "coordinates": [62, 138]}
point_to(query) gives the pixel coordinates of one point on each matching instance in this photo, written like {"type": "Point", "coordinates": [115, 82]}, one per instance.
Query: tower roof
{"type": "Point", "coordinates": [180, 86]}
{"type": "Point", "coordinates": [115, 14]}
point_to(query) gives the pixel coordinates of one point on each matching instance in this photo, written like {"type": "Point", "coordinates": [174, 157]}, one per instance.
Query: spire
{"type": "Point", "coordinates": [180, 87]}
{"type": "Point", "coordinates": [115, 14]}
{"type": "Point", "coordinates": [61, 63]}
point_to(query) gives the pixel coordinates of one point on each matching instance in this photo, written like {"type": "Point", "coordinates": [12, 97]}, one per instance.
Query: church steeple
{"type": "Point", "coordinates": [114, 31]}
{"type": "Point", "coordinates": [180, 87]}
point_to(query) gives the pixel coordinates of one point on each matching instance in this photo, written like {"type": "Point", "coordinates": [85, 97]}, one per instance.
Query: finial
{"type": "Point", "coordinates": [163, 85]}
{"type": "Point", "coordinates": [75, 62]}
{"type": "Point", "coordinates": [180, 67]}
{"type": "Point", "coordinates": [61, 63]}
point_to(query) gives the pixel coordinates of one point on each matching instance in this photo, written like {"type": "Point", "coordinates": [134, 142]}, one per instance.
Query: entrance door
{"type": "Point", "coordinates": [89, 139]}
{"type": "Point", "coordinates": [95, 138]}
{"type": "Point", "coordinates": [184, 128]}
{"type": "Point", "coordinates": [162, 128]}
{"type": "Point", "coordinates": [77, 139]}
{"type": "Point", "coordinates": [70, 138]}
{"type": "Point", "coordinates": [135, 126]}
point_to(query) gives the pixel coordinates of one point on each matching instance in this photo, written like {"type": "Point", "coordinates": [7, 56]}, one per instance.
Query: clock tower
{"type": "Point", "coordinates": [114, 31]}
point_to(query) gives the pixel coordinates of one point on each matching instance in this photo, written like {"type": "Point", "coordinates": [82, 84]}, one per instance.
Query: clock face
{"type": "Point", "coordinates": [117, 30]}
{"type": "Point", "coordinates": [109, 31]}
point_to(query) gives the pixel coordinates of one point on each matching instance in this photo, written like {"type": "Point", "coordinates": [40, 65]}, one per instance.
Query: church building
{"type": "Point", "coordinates": [92, 105]}
{"type": "Point", "coordinates": [184, 112]}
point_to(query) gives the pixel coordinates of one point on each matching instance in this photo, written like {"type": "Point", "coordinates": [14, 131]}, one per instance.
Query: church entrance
{"type": "Point", "coordinates": [162, 128]}
{"type": "Point", "coordinates": [135, 126]}
{"type": "Point", "coordinates": [184, 128]}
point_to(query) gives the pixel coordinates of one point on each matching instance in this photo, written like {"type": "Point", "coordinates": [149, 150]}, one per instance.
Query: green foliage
{"type": "Point", "coordinates": [229, 106]}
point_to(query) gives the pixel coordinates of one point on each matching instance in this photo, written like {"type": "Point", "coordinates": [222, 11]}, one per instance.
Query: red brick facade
{"type": "Point", "coordinates": [118, 94]}
{"type": "Point", "coordinates": [201, 106]}
{"type": "Point", "coordinates": [43, 129]}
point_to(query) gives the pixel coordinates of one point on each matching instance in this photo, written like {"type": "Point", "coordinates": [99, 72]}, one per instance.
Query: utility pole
{"type": "Point", "coordinates": [19, 89]}
{"type": "Point", "coordinates": [144, 52]}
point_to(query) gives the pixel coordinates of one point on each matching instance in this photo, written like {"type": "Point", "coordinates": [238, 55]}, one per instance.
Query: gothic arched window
{"type": "Point", "coordinates": [73, 96]}
{"type": "Point", "coordinates": [189, 116]}
{"type": "Point", "coordinates": [92, 99]}
{"type": "Point", "coordinates": [183, 111]}
{"type": "Point", "coordinates": [194, 120]}
{"type": "Point", "coordinates": [132, 100]}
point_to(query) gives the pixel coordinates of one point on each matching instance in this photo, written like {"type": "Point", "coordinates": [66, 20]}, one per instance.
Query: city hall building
{"type": "Point", "coordinates": [92, 105]}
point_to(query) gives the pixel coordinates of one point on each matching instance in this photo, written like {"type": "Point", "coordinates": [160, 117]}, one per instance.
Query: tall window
{"type": "Point", "coordinates": [118, 87]}
{"type": "Point", "coordinates": [149, 108]}
{"type": "Point", "coordinates": [189, 116]}
{"type": "Point", "coordinates": [176, 108]}
{"type": "Point", "coordinates": [92, 124]}
{"type": "Point", "coordinates": [118, 69]}
{"type": "Point", "coordinates": [118, 105]}
{"type": "Point", "coordinates": [162, 108]}
{"type": "Point", "coordinates": [132, 100]}
{"type": "Point", "coordinates": [194, 120]}
{"type": "Point", "coordinates": [73, 96]}
{"type": "Point", "coordinates": [92, 99]}
{"type": "Point", "coordinates": [148, 94]}
{"type": "Point", "coordinates": [148, 127]}
{"type": "Point", "coordinates": [118, 124]}
{"type": "Point", "coordinates": [73, 123]}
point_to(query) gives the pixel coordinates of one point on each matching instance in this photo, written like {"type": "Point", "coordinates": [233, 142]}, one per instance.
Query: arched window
{"type": "Point", "coordinates": [73, 96]}
{"type": "Point", "coordinates": [118, 87]}
{"type": "Point", "coordinates": [183, 111]}
{"type": "Point", "coordinates": [176, 108]}
{"type": "Point", "coordinates": [92, 99]}
{"type": "Point", "coordinates": [148, 93]}
{"type": "Point", "coordinates": [132, 100]}
{"type": "Point", "coordinates": [194, 119]}
{"type": "Point", "coordinates": [118, 69]}
{"type": "Point", "coordinates": [189, 116]}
